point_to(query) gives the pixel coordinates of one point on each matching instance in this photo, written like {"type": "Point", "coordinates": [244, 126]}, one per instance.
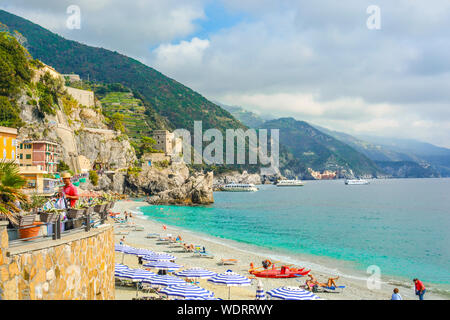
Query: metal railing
{"type": "Point", "coordinates": [55, 230]}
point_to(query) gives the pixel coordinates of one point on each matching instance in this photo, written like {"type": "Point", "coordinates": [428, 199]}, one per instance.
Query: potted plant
{"type": "Point", "coordinates": [77, 211]}
{"type": "Point", "coordinates": [11, 196]}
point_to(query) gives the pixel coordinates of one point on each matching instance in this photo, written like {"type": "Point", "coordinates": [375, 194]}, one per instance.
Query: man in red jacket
{"type": "Point", "coordinates": [420, 288]}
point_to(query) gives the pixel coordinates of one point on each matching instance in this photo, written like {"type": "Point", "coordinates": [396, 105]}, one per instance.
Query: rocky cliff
{"type": "Point", "coordinates": [236, 177]}
{"type": "Point", "coordinates": [86, 142]}
{"type": "Point", "coordinates": [171, 185]}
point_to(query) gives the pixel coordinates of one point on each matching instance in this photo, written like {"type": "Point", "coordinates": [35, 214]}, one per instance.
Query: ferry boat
{"type": "Point", "coordinates": [289, 183]}
{"type": "Point", "coordinates": [239, 187]}
{"type": "Point", "coordinates": [356, 181]}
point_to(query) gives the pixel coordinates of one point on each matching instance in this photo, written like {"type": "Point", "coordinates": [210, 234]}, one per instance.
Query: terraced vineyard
{"type": "Point", "coordinates": [132, 109]}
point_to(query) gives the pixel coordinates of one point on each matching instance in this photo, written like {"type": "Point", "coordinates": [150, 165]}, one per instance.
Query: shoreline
{"type": "Point", "coordinates": [354, 280]}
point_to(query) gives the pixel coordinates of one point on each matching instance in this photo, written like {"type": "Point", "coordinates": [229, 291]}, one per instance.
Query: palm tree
{"type": "Point", "coordinates": [11, 183]}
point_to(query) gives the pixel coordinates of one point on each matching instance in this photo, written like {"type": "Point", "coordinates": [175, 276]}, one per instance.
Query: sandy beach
{"type": "Point", "coordinates": [356, 289]}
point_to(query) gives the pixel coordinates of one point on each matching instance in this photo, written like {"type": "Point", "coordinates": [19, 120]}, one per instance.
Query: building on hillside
{"type": "Point", "coordinates": [149, 159]}
{"type": "Point", "coordinates": [72, 77]}
{"type": "Point", "coordinates": [326, 175]}
{"type": "Point", "coordinates": [166, 142]}
{"type": "Point", "coordinates": [8, 143]}
{"type": "Point", "coordinates": [41, 154]}
{"type": "Point", "coordinates": [84, 97]}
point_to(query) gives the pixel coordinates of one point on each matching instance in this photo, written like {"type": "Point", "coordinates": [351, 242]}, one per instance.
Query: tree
{"type": "Point", "coordinates": [117, 122]}
{"type": "Point", "coordinates": [93, 176]}
{"type": "Point", "coordinates": [11, 183]}
{"type": "Point", "coordinates": [62, 166]}
{"type": "Point", "coordinates": [9, 115]}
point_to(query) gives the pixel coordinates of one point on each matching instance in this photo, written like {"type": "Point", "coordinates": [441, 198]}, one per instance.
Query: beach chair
{"type": "Point", "coordinates": [152, 235]}
{"type": "Point", "coordinates": [122, 233]}
{"type": "Point", "coordinates": [337, 289]}
{"type": "Point", "coordinates": [225, 262]}
{"type": "Point", "coordinates": [138, 228]}
{"type": "Point", "coordinates": [203, 253]}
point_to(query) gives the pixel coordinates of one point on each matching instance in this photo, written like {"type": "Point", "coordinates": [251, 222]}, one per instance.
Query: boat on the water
{"type": "Point", "coordinates": [285, 271]}
{"type": "Point", "coordinates": [356, 181]}
{"type": "Point", "coordinates": [239, 187]}
{"type": "Point", "coordinates": [289, 183]}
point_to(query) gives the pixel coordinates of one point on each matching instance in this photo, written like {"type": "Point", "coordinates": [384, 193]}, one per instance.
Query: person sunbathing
{"type": "Point", "coordinates": [312, 281]}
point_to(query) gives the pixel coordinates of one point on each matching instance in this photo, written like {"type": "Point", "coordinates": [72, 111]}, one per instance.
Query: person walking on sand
{"type": "Point", "coordinates": [126, 216]}
{"type": "Point", "coordinates": [396, 295]}
{"type": "Point", "coordinates": [420, 288]}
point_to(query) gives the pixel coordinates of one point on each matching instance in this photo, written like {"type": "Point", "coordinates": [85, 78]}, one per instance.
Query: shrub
{"type": "Point", "coordinates": [93, 177]}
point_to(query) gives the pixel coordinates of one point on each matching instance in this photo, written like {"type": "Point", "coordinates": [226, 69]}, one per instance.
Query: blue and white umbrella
{"type": "Point", "coordinates": [187, 291]}
{"type": "Point", "coordinates": [137, 275]}
{"type": "Point", "coordinates": [167, 265]}
{"type": "Point", "coordinates": [230, 279]}
{"type": "Point", "coordinates": [121, 248]}
{"type": "Point", "coordinates": [164, 281]}
{"type": "Point", "coordinates": [142, 252]}
{"type": "Point", "coordinates": [120, 266]}
{"type": "Point", "coordinates": [158, 257]}
{"type": "Point", "coordinates": [292, 293]}
{"type": "Point", "coordinates": [196, 273]}
{"type": "Point", "coordinates": [260, 294]}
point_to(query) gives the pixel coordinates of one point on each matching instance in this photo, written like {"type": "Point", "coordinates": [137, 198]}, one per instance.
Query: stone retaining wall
{"type": "Point", "coordinates": [78, 266]}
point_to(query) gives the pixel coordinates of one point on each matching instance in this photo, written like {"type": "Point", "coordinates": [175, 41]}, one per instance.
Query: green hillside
{"type": "Point", "coordinates": [167, 97]}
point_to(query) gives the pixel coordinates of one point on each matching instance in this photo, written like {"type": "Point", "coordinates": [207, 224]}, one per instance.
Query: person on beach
{"type": "Point", "coordinates": [396, 295]}
{"type": "Point", "coordinates": [122, 240]}
{"type": "Point", "coordinates": [69, 191]}
{"type": "Point", "coordinates": [420, 288]}
{"type": "Point", "coordinates": [312, 282]}
{"type": "Point", "coordinates": [126, 216]}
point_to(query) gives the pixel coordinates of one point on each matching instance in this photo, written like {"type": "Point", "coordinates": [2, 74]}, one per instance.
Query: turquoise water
{"type": "Point", "coordinates": [400, 225]}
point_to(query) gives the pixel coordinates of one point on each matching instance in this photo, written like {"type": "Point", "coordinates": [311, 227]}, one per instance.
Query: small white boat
{"type": "Point", "coordinates": [290, 183]}
{"type": "Point", "coordinates": [239, 187]}
{"type": "Point", "coordinates": [356, 181]}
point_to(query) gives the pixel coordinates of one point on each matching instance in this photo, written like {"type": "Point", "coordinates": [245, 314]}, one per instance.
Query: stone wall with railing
{"type": "Point", "coordinates": [77, 266]}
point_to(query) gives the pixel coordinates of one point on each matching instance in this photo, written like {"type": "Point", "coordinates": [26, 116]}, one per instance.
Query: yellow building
{"type": "Point", "coordinates": [8, 143]}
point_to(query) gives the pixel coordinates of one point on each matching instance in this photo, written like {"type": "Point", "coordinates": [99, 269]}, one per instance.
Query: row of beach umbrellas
{"type": "Point", "coordinates": [178, 288]}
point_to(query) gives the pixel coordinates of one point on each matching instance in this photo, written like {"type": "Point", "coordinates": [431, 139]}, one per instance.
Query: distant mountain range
{"type": "Point", "coordinates": [401, 158]}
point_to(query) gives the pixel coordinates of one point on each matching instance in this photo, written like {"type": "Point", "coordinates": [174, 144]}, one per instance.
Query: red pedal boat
{"type": "Point", "coordinates": [282, 272]}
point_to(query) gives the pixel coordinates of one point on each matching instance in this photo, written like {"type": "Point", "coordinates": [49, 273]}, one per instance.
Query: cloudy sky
{"type": "Point", "coordinates": [313, 60]}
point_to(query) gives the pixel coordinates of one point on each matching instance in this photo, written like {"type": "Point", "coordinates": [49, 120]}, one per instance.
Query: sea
{"type": "Point", "coordinates": [400, 227]}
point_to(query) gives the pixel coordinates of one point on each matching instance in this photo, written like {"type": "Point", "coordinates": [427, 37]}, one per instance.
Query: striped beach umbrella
{"type": "Point", "coordinates": [292, 293]}
{"type": "Point", "coordinates": [166, 265]}
{"type": "Point", "coordinates": [186, 291]}
{"type": "Point", "coordinates": [136, 275]}
{"type": "Point", "coordinates": [196, 273]}
{"type": "Point", "coordinates": [260, 294]}
{"type": "Point", "coordinates": [120, 266]}
{"type": "Point", "coordinates": [157, 257]}
{"type": "Point", "coordinates": [230, 279]}
{"type": "Point", "coordinates": [164, 281]}
{"type": "Point", "coordinates": [142, 252]}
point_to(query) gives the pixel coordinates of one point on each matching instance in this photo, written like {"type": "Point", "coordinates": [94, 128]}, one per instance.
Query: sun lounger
{"type": "Point", "coordinates": [152, 235]}
{"type": "Point", "coordinates": [228, 261]}
{"type": "Point", "coordinates": [337, 289]}
{"type": "Point", "coordinates": [139, 228]}
{"type": "Point", "coordinates": [203, 253]}
{"type": "Point", "coordinates": [122, 233]}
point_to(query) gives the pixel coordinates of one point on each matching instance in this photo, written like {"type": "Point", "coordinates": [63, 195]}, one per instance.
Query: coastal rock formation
{"type": "Point", "coordinates": [236, 177]}
{"type": "Point", "coordinates": [171, 185]}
